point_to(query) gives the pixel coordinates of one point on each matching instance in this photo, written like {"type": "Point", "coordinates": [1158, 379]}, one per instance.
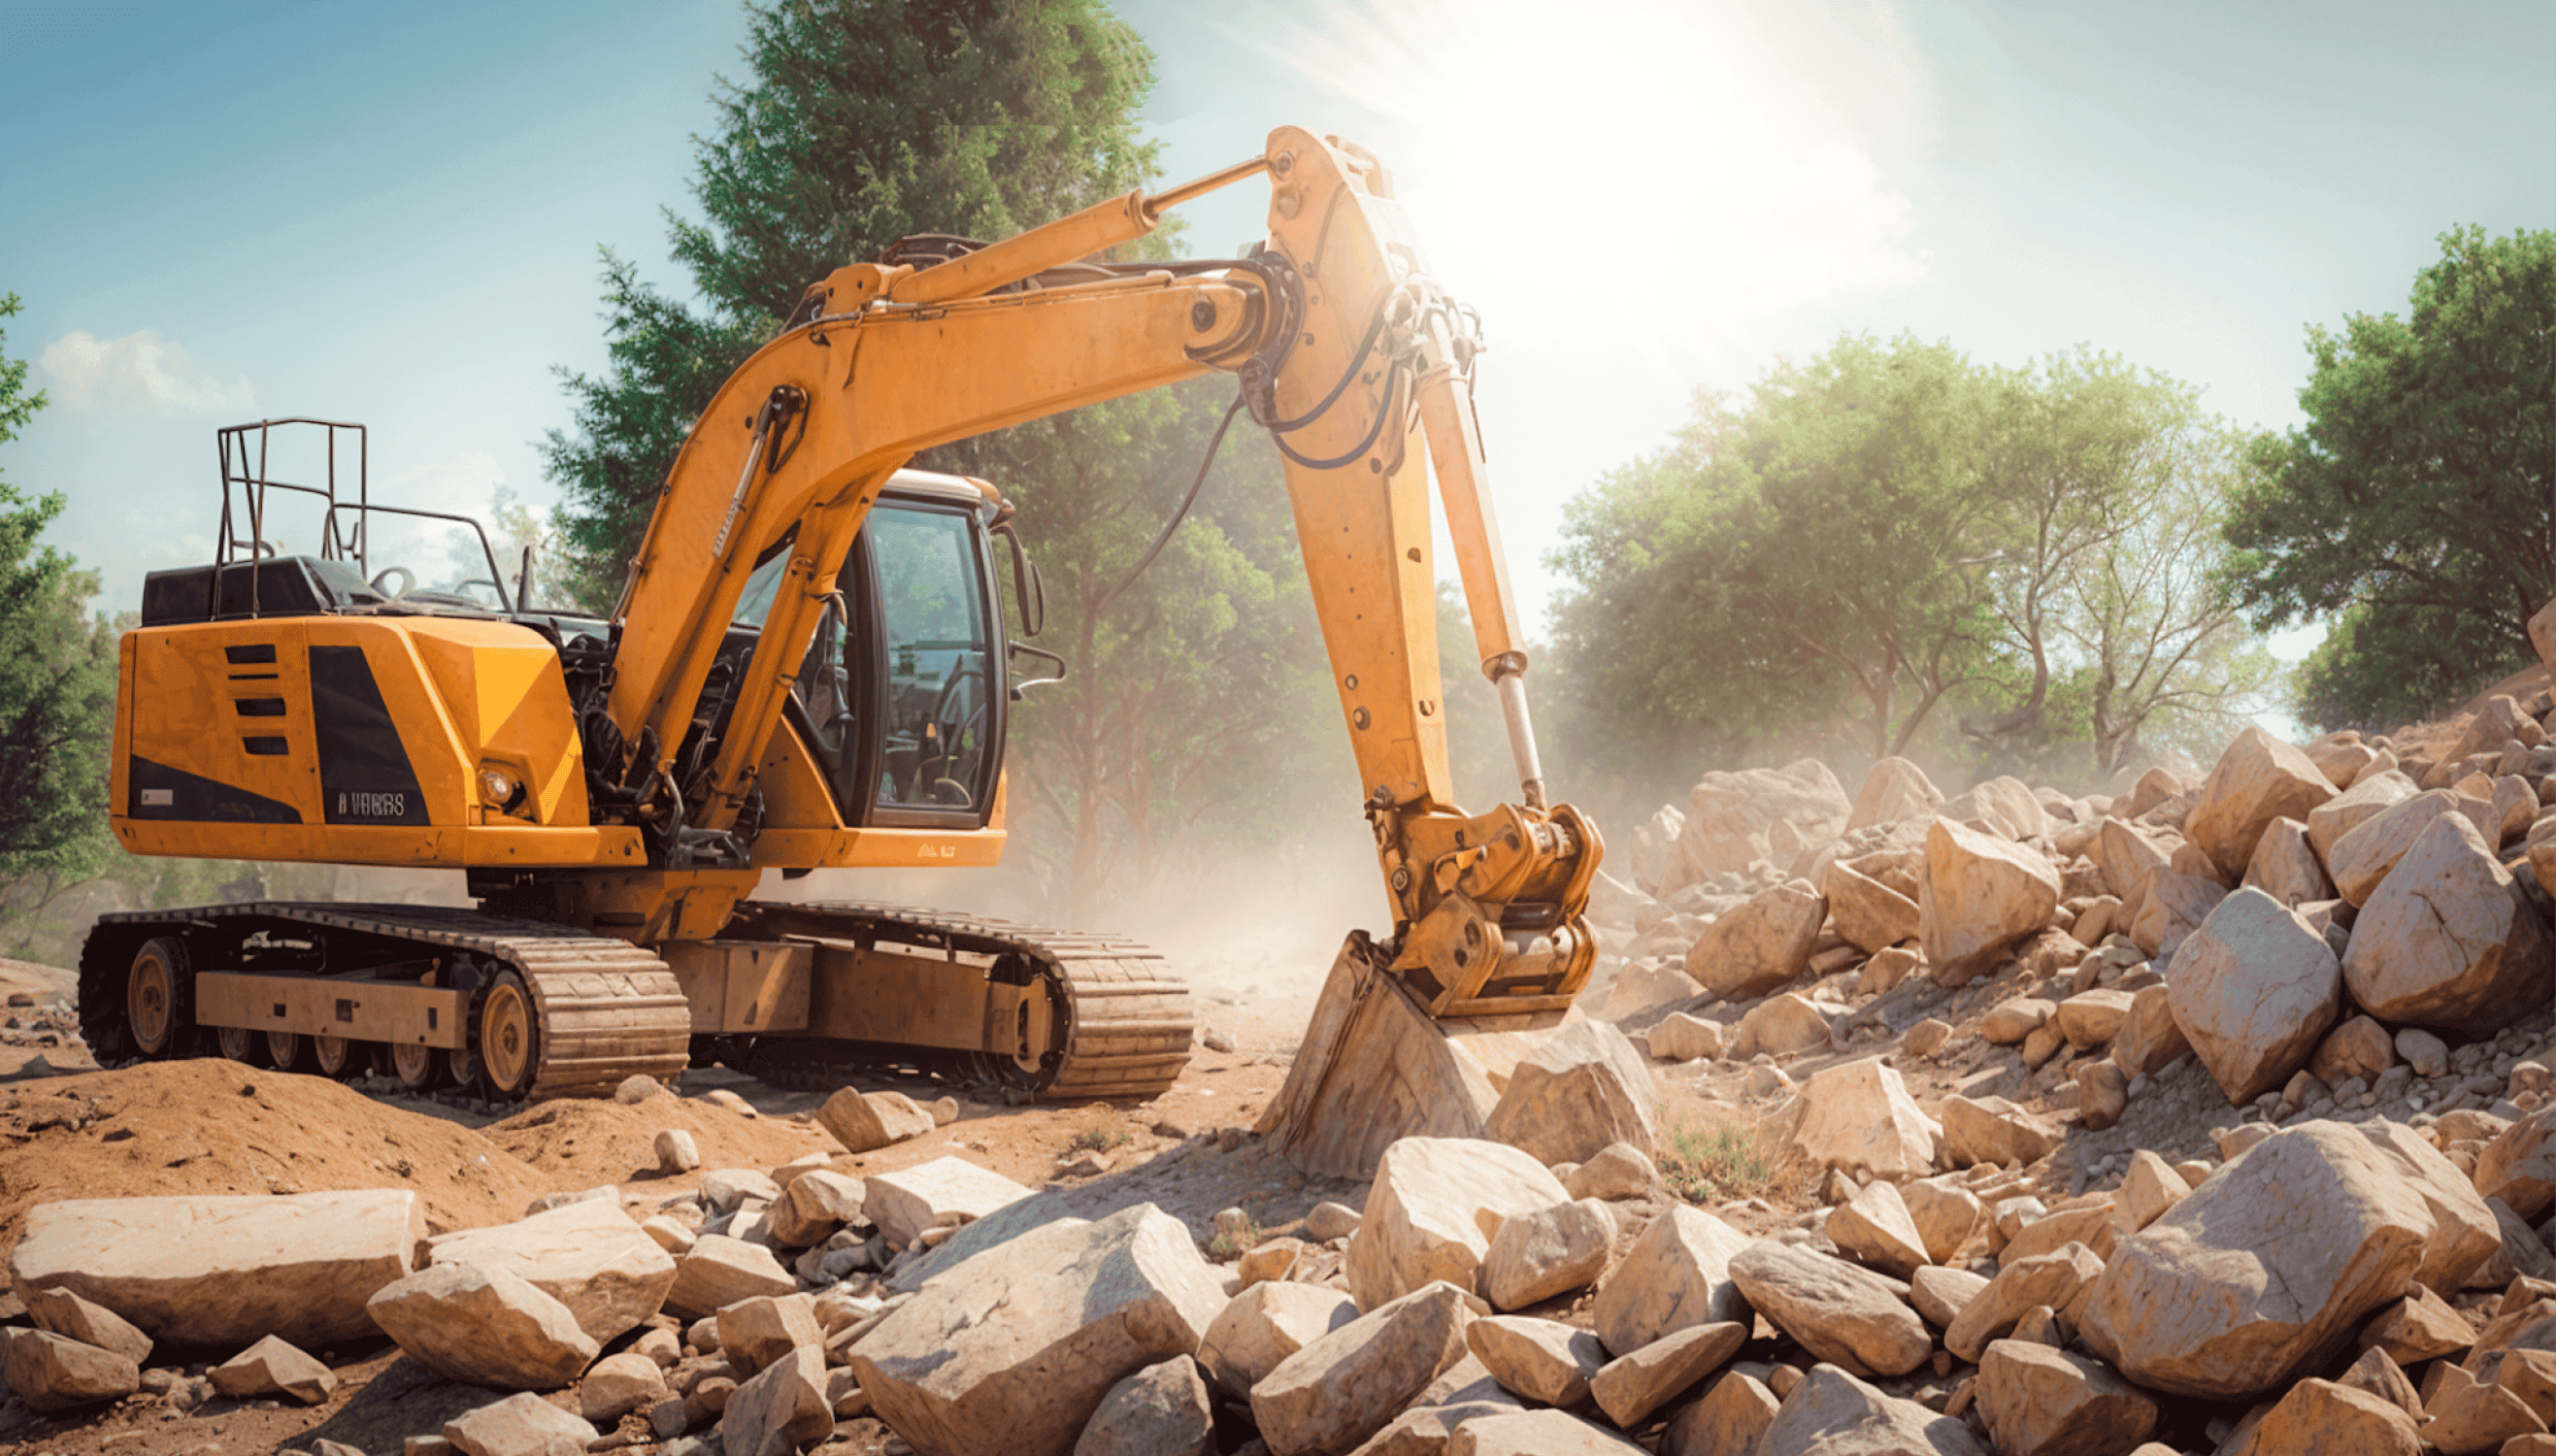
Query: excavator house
{"type": "Point", "coordinates": [810, 667]}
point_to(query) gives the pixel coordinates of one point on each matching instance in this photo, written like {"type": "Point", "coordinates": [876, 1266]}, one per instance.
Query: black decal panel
{"type": "Point", "coordinates": [366, 777]}
{"type": "Point", "coordinates": [158, 791]}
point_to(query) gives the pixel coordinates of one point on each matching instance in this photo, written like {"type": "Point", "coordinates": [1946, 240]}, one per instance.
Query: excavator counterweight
{"type": "Point", "coordinates": [810, 667]}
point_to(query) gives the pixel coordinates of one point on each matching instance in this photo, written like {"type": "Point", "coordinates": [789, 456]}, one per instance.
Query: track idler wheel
{"type": "Point", "coordinates": [159, 1000]}
{"type": "Point", "coordinates": [505, 1036]}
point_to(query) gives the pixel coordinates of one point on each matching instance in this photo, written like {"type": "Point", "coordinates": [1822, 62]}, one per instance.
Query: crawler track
{"type": "Point", "coordinates": [607, 1009]}
{"type": "Point", "coordinates": [1127, 1018]}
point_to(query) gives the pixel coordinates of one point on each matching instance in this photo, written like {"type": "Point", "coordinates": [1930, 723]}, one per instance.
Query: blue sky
{"type": "Point", "coordinates": [391, 213]}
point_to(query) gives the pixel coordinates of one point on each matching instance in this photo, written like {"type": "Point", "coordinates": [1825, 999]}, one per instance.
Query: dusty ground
{"type": "Point", "coordinates": [209, 1126]}
{"type": "Point", "coordinates": [214, 1127]}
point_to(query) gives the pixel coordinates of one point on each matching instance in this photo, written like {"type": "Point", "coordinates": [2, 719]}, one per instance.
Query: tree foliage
{"type": "Point", "coordinates": [1887, 532]}
{"type": "Point", "coordinates": [2416, 507]}
{"type": "Point", "coordinates": [860, 122]}
{"type": "Point", "coordinates": [57, 676]}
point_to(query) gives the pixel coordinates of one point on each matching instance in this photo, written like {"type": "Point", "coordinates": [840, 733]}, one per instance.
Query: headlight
{"type": "Point", "coordinates": [498, 788]}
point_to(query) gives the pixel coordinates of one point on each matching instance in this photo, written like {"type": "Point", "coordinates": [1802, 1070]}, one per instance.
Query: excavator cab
{"type": "Point", "coordinates": [905, 689]}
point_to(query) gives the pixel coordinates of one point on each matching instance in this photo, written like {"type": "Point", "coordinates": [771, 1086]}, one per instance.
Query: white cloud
{"type": "Point", "coordinates": [140, 372]}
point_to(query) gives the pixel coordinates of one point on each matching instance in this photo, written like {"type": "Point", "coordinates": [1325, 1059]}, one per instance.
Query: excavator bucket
{"type": "Point", "coordinates": [1377, 1066]}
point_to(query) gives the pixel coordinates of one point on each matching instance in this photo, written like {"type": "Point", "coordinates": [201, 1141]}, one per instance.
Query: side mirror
{"type": "Point", "coordinates": [1022, 683]}
{"type": "Point", "coordinates": [1029, 592]}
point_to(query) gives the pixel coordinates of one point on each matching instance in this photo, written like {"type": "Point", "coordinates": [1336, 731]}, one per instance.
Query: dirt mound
{"type": "Point", "coordinates": [580, 1144]}
{"type": "Point", "coordinates": [217, 1127]}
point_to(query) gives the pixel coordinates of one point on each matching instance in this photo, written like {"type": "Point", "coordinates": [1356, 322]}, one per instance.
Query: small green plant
{"type": "Point", "coordinates": [1233, 1243]}
{"type": "Point", "coordinates": [1702, 1164]}
{"type": "Point", "coordinates": [1101, 1139]}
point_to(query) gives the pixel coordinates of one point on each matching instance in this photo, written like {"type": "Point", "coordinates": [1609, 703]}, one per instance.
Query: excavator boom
{"type": "Point", "coordinates": [1346, 350]}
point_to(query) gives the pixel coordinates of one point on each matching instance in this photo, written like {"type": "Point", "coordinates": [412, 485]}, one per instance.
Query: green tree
{"type": "Point", "coordinates": [1887, 532]}
{"type": "Point", "coordinates": [861, 122]}
{"type": "Point", "coordinates": [2416, 507]}
{"type": "Point", "coordinates": [2107, 484]}
{"type": "Point", "coordinates": [1812, 558]}
{"type": "Point", "coordinates": [57, 679]}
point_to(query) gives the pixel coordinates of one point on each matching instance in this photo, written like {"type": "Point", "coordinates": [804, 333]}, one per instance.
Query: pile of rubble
{"type": "Point", "coordinates": [2349, 954]}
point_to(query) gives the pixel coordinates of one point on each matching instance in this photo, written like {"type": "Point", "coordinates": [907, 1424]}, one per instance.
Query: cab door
{"type": "Point", "coordinates": [928, 713]}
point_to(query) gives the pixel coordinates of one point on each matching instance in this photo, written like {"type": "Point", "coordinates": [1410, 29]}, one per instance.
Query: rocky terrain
{"type": "Point", "coordinates": [2217, 1116]}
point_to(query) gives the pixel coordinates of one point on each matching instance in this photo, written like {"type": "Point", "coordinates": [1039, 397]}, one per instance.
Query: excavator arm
{"type": "Point", "coordinates": [1346, 350]}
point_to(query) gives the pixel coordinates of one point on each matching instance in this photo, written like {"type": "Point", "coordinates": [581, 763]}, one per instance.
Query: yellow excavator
{"type": "Point", "coordinates": [809, 668]}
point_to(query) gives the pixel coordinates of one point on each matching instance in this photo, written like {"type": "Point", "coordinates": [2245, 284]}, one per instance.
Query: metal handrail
{"type": "Point", "coordinates": [254, 485]}
{"type": "Point", "coordinates": [496, 579]}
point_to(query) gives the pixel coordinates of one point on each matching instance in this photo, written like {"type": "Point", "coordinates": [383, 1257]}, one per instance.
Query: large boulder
{"type": "Point", "coordinates": [1730, 1417]}
{"type": "Point", "coordinates": [1584, 1088]}
{"type": "Point", "coordinates": [1630, 1387]}
{"type": "Point", "coordinates": [2268, 1267]}
{"type": "Point", "coordinates": [1263, 1325]}
{"type": "Point", "coordinates": [2004, 806]}
{"type": "Point", "coordinates": [1424, 1213]}
{"type": "Point", "coordinates": [483, 1327]}
{"type": "Point", "coordinates": [1780, 1025]}
{"type": "Point", "coordinates": [2285, 866]}
{"type": "Point", "coordinates": [1080, 1307]}
{"type": "Point", "coordinates": [73, 1318]}
{"type": "Point", "coordinates": [2519, 1166]}
{"type": "Point", "coordinates": [2149, 1038]}
{"type": "Point", "coordinates": [1676, 1275]}
{"type": "Point", "coordinates": [1875, 1227]}
{"type": "Point", "coordinates": [2175, 907]}
{"type": "Point", "coordinates": [1992, 1130]}
{"type": "Point", "coordinates": [719, 1270]}
{"type": "Point", "coordinates": [864, 1122]}
{"type": "Point", "coordinates": [2362, 857]}
{"type": "Point", "coordinates": [1544, 1360]}
{"type": "Point", "coordinates": [1161, 1411]}
{"type": "Point", "coordinates": [1731, 817]}
{"type": "Point", "coordinates": [522, 1425]}
{"type": "Point", "coordinates": [274, 1367]}
{"type": "Point", "coordinates": [2328, 822]}
{"type": "Point", "coordinates": [1344, 1388]}
{"type": "Point", "coordinates": [1832, 1414]}
{"type": "Point", "coordinates": [1760, 945]}
{"type": "Point", "coordinates": [1979, 895]}
{"type": "Point", "coordinates": [1860, 1117]}
{"type": "Point", "coordinates": [2125, 857]}
{"type": "Point", "coordinates": [2449, 940]}
{"type": "Point", "coordinates": [2041, 1402]}
{"type": "Point", "coordinates": [1548, 1252]}
{"type": "Point", "coordinates": [1894, 789]}
{"type": "Point", "coordinates": [1869, 913]}
{"type": "Point", "coordinates": [2059, 1281]}
{"type": "Point", "coordinates": [781, 1410]}
{"type": "Point", "coordinates": [2322, 1418]}
{"type": "Point", "coordinates": [1839, 1311]}
{"type": "Point", "coordinates": [587, 1255]}
{"type": "Point", "coordinates": [2258, 778]}
{"type": "Point", "coordinates": [228, 1270]}
{"type": "Point", "coordinates": [946, 1190]}
{"type": "Point", "coordinates": [1536, 1433]}
{"type": "Point", "coordinates": [51, 1371]}
{"type": "Point", "coordinates": [2254, 989]}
